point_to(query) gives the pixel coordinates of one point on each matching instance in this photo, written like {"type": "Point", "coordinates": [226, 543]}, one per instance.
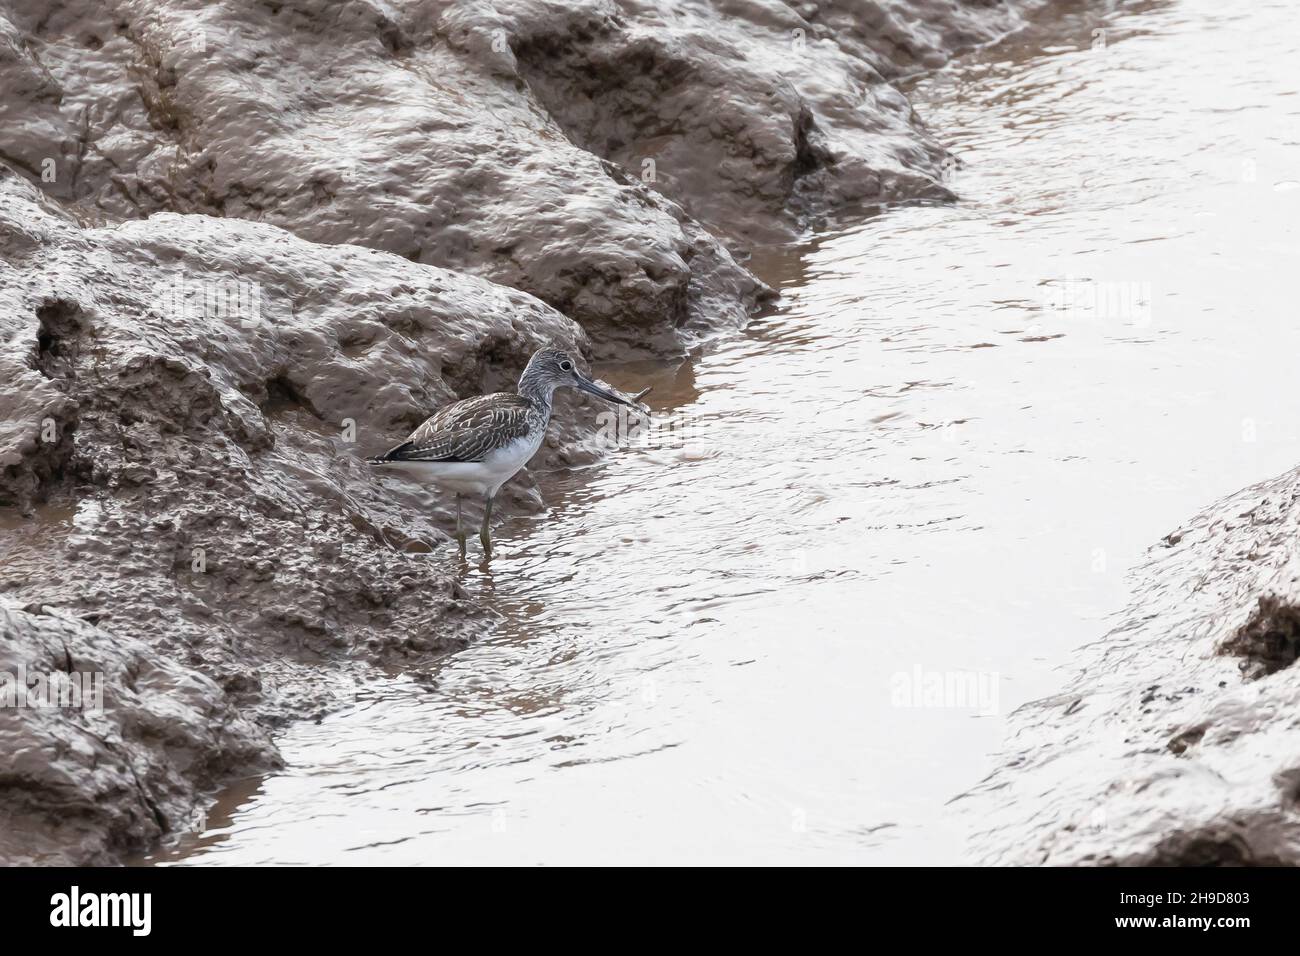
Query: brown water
{"type": "Point", "coordinates": [920, 481]}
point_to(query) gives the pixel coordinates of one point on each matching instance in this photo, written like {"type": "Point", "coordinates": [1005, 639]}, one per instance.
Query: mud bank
{"type": "Point", "coordinates": [195, 479]}
{"type": "Point", "coordinates": [1176, 742]}
{"type": "Point", "coordinates": [91, 783]}
{"type": "Point", "coordinates": [555, 147]}
{"type": "Point", "coordinates": [192, 484]}
{"type": "Point", "coordinates": [413, 197]}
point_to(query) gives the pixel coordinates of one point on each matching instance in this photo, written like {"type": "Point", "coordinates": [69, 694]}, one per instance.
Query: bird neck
{"type": "Point", "coordinates": [536, 389]}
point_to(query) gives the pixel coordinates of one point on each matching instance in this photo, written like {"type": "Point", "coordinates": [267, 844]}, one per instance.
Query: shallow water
{"type": "Point", "coordinates": [789, 628]}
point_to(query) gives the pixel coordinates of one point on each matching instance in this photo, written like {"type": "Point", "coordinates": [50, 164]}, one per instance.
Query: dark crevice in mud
{"type": "Point", "coordinates": [811, 157]}
{"type": "Point", "coordinates": [283, 396]}
{"type": "Point", "coordinates": [602, 99]}
{"type": "Point", "coordinates": [810, 153]}
{"type": "Point", "coordinates": [47, 462]}
{"type": "Point", "coordinates": [394, 38]}
{"type": "Point", "coordinates": [1288, 784]}
{"type": "Point", "coordinates": [1269, 641]}
{"type": "Point", "coordinates": [159, 818]}
{"type": "Point", "coordinates": [58, 338]}
{"type": "Point", "coordinates": [1207, 848]}
{"type": "Point", "coordinates": [156, 84]}
{"type": "Point", "coordinates": [1181, 743]}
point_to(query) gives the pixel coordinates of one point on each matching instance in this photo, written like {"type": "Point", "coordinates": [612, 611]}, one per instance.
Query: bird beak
{"type": "Point", "coordinates": [591, 388]}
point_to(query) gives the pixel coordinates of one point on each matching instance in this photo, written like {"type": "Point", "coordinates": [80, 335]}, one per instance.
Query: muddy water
{"type": "Point", "coordinates": [788, 625]}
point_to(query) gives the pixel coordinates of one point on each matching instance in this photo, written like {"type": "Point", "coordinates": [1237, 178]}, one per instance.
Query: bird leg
{"type": "Point", "coordinates": [460, 531]}
{"type": "Point", "coordinates": [484, 534]}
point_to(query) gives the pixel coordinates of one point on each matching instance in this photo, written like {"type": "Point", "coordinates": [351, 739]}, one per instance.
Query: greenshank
{"type": "Point", "coordinates": [474, 446]}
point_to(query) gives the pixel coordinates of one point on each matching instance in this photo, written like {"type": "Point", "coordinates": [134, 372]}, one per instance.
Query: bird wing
{"type": "Point", "coordinates": [465, 431]}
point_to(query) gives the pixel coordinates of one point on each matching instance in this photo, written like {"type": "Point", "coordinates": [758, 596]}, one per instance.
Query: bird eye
{"type": "Point", "coordinates": [566, 366]}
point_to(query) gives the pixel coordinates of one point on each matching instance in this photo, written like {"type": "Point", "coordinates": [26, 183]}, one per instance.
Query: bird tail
{"type": "Point", "coordinates": [392, 456]}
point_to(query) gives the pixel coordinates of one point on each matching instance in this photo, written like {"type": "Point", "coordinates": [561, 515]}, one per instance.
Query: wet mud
{"type": "Point", "coordinates": [405, 199]}
{"type": "Point", "coordinates": [800, 637]}
{"type": "Point", "coordinates": [1174, 745]}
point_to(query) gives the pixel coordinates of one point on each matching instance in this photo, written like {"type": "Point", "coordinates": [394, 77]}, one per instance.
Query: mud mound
{"type": "Point", "coordinates": [1175, 744]}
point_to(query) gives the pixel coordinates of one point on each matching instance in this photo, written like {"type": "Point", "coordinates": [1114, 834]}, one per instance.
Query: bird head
{"type": "Point", "coordinates": [552, 368]}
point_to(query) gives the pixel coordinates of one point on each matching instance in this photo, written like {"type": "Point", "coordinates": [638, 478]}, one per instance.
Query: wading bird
{"type": "Point", "coordinates": [474, 446]}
